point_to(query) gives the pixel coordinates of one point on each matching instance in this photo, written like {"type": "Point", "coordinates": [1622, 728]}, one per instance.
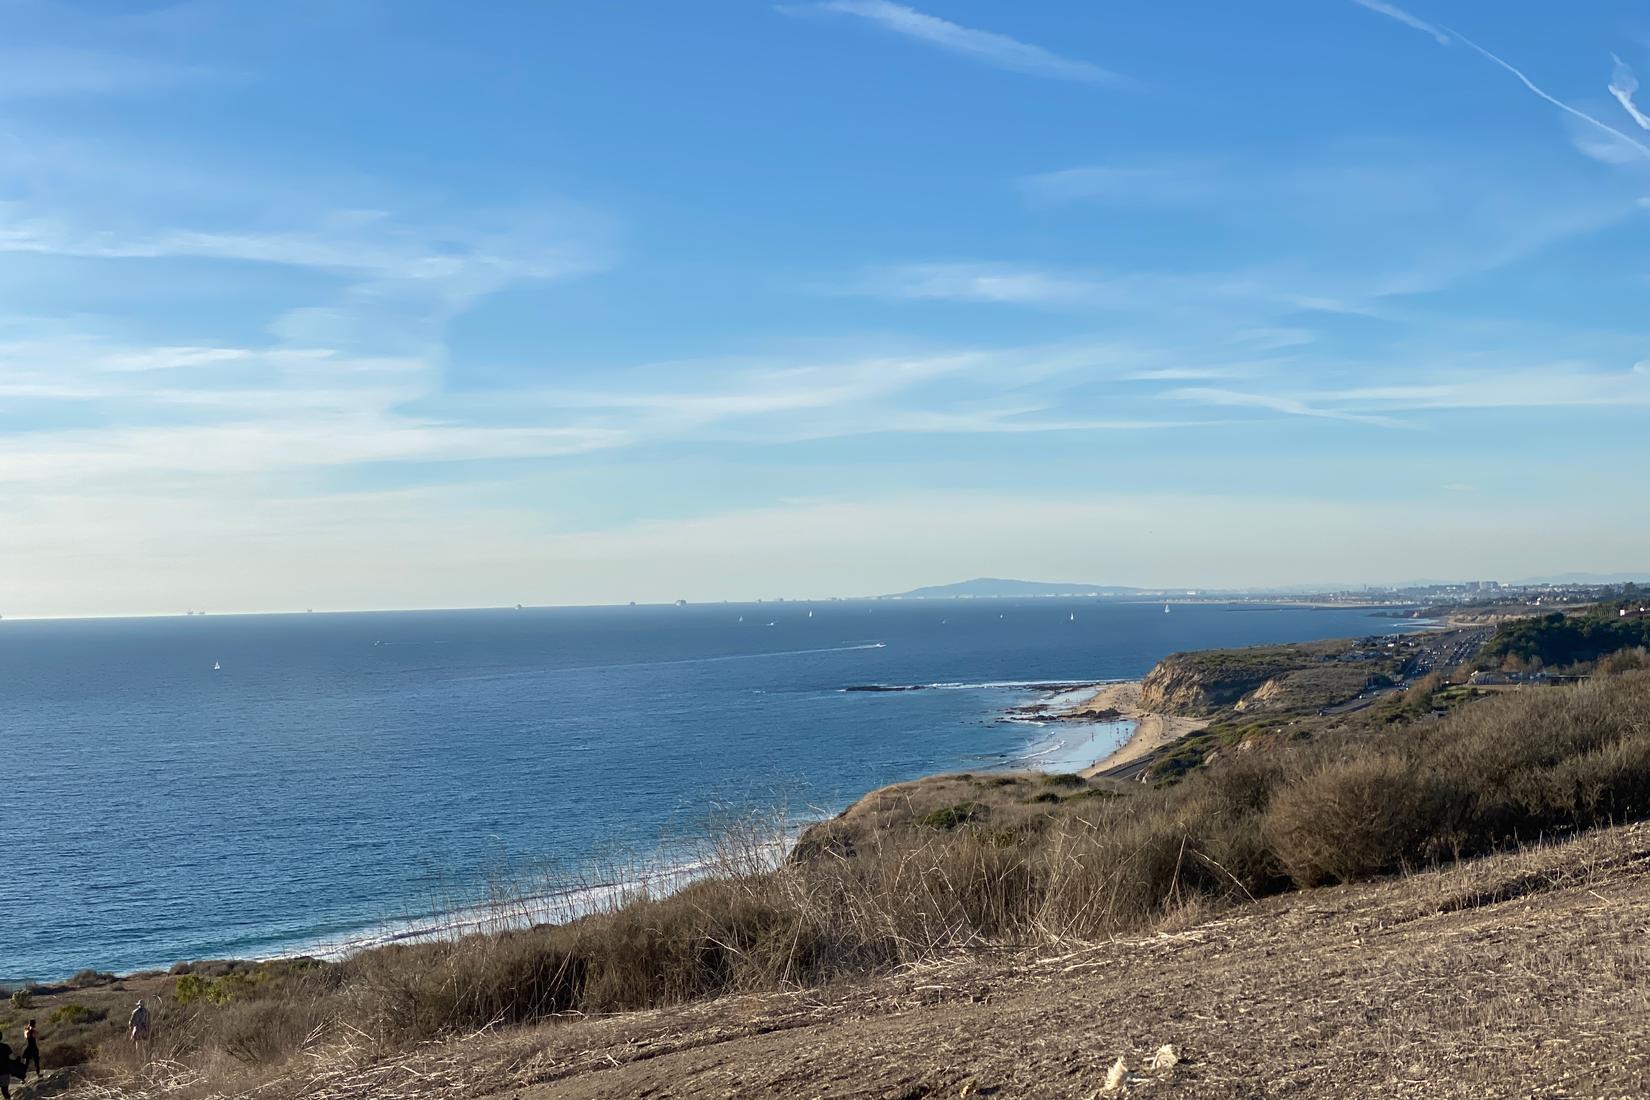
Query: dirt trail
{"type": "Point", "coordinates": [1523, 975]}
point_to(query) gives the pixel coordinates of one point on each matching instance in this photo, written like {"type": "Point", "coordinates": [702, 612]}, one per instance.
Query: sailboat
{"type": "Point", "coordinates": [810, 614]}
{"type": "Point", "coordinates": [1072, 618]}
{"type": "Point", "coordinates": [216, 667]}
{"type": "Point", "coordinates": [1165, 609]}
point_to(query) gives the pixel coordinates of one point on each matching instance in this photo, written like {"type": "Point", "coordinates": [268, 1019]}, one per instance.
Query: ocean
{"type": "Point", "coordinates": [247, 786]}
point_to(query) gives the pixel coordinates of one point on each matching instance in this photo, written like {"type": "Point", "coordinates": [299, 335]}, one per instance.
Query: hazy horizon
{"type": "Point", "coordinates": [418, 306]}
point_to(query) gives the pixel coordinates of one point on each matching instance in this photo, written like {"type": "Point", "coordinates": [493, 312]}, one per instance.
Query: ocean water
{"type": "Point", "coordinates": [340, 771]}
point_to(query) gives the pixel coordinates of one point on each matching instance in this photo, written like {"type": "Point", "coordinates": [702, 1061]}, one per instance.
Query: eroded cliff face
{"type": "Point", "coordinates": [1198, 684]}
{"type": "Point", "coordinates": [1263, 678]}
{"type": "Point", "coordinates": [1183, 684]}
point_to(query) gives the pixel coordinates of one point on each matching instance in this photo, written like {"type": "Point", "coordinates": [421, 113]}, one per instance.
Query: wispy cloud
{"type": "Point", "coordinates": [1622, 85]}
{"type": "Point", "coordinates": [1136, 184]}
{"type": "Point", "coordinates": [1289, 406]}
{"type": "Point", "coordinates": [1392, 11]}
{"type": "Point", "coordinates": [988, 47]}
{"type": "Point", "coordinates": [1051, 287]}
{"type": "Point", "coordinates": [1574, 112]}
{"type": "Point", "coordinates": [1444, 35]}
{"type": "Point", "coordinates": [372, 244]}
{"type": "Point", "coordinates": [41, 72]}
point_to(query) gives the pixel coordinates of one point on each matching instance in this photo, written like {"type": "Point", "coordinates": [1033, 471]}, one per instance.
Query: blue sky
{"type": "Point", "coordinates": [370, 304]}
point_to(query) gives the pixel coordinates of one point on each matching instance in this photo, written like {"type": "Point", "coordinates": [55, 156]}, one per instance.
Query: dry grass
{"type": "Point", "coordinates": [893, 886]}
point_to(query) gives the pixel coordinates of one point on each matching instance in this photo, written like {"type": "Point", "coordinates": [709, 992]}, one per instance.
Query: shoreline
{"type": "Point", "coordinates": [1102, 701]}
{"type": "Point", "coordinates": [1152, 729]}
{"type": "Point", "coordinates": [1110, 701]}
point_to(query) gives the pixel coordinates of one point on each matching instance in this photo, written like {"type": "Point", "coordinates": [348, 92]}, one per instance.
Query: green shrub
{"type": "Point", "coordinates": [73, 1013]}
{"type": "Point", "coordinates": [1111, 858]}
{"type": "Point", "coordinates": [950, 817]}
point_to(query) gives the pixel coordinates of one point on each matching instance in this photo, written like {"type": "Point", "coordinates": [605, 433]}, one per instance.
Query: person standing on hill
{"type": "Point", "coordinates": [5, 1070]}
{"type": "Point", "coordinates": [139, 1024]}
{"type": "Point", "coordinates": [31, 1051]}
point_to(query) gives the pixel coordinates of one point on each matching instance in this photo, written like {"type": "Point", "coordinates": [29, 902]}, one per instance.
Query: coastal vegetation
{"type": "Point", "coordinates": [1558, 640]}
{"type": "Point", "coordinates": [921, 869]}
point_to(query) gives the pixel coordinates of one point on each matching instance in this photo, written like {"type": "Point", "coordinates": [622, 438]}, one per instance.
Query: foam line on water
{"type": "Point", "coordinates": [661, 664]}
{"type": "Point", "coordinates": [981, 685]}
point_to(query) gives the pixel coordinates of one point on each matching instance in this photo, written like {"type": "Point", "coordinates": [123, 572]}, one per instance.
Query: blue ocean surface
{"type": "Point", "coordinates": [244, 786]}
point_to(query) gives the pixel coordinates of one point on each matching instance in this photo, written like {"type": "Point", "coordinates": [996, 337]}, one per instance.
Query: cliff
{"type": "Point", "coordinates": [1262, 678]}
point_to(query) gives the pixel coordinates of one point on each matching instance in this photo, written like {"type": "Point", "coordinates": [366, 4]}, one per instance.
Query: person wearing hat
{"type": "Point", "coordinates": [139, 1023]}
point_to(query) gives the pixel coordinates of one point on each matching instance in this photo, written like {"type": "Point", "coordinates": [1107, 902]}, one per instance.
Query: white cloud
{"type": "Point", "coordinates": [1622, 85]}
{"type": "Point", "coordinates": [1392, 11]}
{"type": "Point", "coordinates": [1574, 112]}
{"type": "Point", "coordinates": [997, 50]}
{"type": "Point", "coordinates": [1153, 185]}
{"type": "Point", "coordinates": [1032, 285]}
{"type": "Point", "coordinates": [41, 71]}
{"type": "Point", "coordinates": [1288, 406]}
{"type": "Point", "coordinates": [380, 248]}
{"type": "Point", "coordinates": [1444, 36]}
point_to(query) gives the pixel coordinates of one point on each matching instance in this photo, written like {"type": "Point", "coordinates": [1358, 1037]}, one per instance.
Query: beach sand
{"type": "Point", "coordinates": [1151, 732]}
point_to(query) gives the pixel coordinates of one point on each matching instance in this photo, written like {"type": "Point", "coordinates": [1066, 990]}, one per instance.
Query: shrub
{"type": "Point", "coordinates": [73, 1013]}
{"type": "Point", "coordinates": [1102, 860]}
{"type": "Point", "coordinates": [950, 817]}
{"type": "Point", "coordinates": [22, 998]}
{"type": "Point", "coordinates": [1348, 819]}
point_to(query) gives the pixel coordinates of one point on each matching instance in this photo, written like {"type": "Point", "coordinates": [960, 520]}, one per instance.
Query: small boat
{"type": "Point", "coordinates": [741, 618]}
{"type": "Point", "coordinates": [810, 614]}
{"type": "Point", "coordinates": [1073, 617]}
{"type": "Point", "coordinates": [216, 667]}
{"type": "Point", "coordinates": [1165, 609]}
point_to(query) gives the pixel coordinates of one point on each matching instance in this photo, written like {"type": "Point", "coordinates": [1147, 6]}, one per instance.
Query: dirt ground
{"type": "Point", "coordinates": [1524, 975]}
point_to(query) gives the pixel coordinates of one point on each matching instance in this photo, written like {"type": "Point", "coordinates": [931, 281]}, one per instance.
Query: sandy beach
{"type": "Point", "coordinates": [1151, 732]}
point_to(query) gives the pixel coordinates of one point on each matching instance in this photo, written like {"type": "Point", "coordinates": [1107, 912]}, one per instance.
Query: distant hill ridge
{"type": "Point", "coordinates": [986, 587]}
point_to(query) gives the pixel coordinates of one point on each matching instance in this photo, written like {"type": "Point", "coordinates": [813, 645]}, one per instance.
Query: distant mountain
{"type": "Point", "coordinates": [1590, 578]}
{"type": "Point", "coordinates": [996, 587]}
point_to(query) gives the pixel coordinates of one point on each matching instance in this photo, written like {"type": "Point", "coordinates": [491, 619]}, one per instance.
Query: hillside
{"type": "Point", "coordinates": [1308, 674]}
{"type": "Point", "coordinates": [1020, 932]}
{"type": "Point", "coordinates": [1518, 975]}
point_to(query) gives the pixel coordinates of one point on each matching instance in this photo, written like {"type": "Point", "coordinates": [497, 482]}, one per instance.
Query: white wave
{"type": "Point", "coordinates": [556, 900]}
{"type": "Point", "coordinates": [979, 685]}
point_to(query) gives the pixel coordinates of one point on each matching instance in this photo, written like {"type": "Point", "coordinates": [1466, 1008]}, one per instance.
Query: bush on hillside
{"type": "Point", "coordinates": [1505, 770]}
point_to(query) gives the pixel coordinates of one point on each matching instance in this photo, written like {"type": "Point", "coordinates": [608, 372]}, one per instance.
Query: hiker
{"type": "Point", "coordinates": [140, 1027]}
{"type": "Point", "coordinates": [31, 1051]}
{"type": "Point", "coordinates": [5, 1070]}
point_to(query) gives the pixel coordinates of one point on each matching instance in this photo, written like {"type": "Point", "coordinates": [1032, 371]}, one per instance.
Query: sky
{"type": "Point", "coordinates": [402, 303]}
